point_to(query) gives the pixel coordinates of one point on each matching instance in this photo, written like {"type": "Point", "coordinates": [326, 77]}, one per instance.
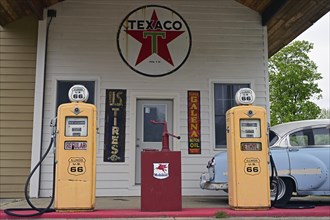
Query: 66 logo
{"type": "Point", "coordinates": [252, 166]}
{"type": "Point", "coordinates": [77, 166]}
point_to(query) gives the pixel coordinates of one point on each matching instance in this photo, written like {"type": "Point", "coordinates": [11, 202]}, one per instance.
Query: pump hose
{"type": "Point", "coordinates": [274, 176]}
{"type": "Point", "coordinates": [40, 211]}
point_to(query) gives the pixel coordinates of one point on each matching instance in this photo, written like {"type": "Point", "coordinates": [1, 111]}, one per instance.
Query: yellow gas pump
{"type": "Point", "coordinates": [248, 159]}
{"type": "Point", "coordinates": [76, 153]}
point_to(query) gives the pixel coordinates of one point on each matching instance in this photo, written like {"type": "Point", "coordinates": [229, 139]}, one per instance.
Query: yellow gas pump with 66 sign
{"type": "Point", "coordinates": [76, 153]}
{"type": "Point", "coordinates": [248, 158]}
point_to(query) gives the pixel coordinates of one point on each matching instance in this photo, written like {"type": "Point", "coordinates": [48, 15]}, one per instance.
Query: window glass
{"type": "Point", "coordinates": [153, 132]}
{"type": "Point", "coordinates": [272, 138]}
{"type": "Point", "coordinates": [301, 138]}
{"type": "Point", "coordinates": [321, 136]}
{"type": "Point", "coordinates": [224, 99]}
{"type": "Point", "coordinates": [309, 137]}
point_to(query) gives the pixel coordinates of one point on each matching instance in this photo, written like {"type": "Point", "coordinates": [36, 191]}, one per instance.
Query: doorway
{"type": "Point", "coordinates": [149, 135]}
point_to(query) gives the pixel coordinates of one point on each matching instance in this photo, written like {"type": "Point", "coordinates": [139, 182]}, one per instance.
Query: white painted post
{"type": "Point", "coordinates": [38, 107]}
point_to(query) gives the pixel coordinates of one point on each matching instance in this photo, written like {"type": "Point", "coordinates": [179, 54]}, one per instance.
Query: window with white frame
{"type": "Point", "coordinates": [224, 99]}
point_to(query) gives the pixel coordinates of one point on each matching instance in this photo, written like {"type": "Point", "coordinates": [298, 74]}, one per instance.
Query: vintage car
{"type": "Point", "coordinates": [301, 152]}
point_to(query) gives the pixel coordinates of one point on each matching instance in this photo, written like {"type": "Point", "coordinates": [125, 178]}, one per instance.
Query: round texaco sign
{"type": "Point", "coordinates": [154, 40]}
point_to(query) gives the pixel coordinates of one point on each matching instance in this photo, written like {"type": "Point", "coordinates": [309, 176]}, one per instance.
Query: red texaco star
{"type": "Point", "coordinates": [154, 41]}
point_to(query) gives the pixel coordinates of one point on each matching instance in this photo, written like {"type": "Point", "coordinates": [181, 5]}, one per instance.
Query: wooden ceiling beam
{"type": "Point", "coordinates": [256, 5]}
{"type": "Point", "coordinates": [292, 20]}
{"type": "Point", "coordinates": [8, 14]}
{"type": "Point", "coordinates": [271, 10]}
{"type": "Point", "coordinates": [12, 10]}
{"type": "Point", "coordinates": [37, 7]}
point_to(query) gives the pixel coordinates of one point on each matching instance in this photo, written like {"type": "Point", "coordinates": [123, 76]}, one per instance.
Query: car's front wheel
{"type": "Point", "coordinates": [285, 189]}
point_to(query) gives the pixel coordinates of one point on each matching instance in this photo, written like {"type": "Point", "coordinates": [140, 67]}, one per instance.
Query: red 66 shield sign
{"type": "Point", "coordinates": [252, 166]}
{"type": "Point", "coordinates": [77, 166]}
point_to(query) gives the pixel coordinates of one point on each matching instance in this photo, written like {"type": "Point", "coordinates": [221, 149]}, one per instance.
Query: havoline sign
{"type": "Point", "coordinates": [154, 40]}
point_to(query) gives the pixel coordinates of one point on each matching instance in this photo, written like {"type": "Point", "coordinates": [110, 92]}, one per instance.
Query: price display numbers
{"type": "Point", "coordinates": [76, 126]}
{"type": "Point", "coordinates": [250, 128]}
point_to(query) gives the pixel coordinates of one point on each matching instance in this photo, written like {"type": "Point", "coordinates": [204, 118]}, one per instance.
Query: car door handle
{"type": "Point", "coordinates": [293, 149]}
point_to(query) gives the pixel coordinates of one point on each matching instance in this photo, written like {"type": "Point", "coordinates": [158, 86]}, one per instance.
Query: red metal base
{"type": "Point", "coordinates": [161, 181]}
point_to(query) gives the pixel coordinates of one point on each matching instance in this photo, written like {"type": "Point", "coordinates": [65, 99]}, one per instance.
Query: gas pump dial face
{"type": "Point", "coordinates": [250, 128]}
{"type": "Point", "coordinates": [76, 126]}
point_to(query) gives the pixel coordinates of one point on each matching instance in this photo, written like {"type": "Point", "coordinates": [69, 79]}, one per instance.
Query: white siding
{"type": "Point", "coordinates": [227, 46]}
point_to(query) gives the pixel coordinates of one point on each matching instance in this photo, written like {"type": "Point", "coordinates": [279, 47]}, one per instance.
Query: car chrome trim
{"type": "Point", "coordinates": [306, 171]}
{"type": "Point", "coordinates": [204, 184]}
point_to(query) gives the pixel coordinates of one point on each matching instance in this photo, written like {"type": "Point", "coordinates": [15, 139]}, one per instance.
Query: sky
{"type": "Point", "coordinates": [318, 34]}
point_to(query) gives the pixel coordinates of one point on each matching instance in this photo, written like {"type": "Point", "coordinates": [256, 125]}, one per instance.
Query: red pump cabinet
{"type": "Point", "coordinates": [161, 181]}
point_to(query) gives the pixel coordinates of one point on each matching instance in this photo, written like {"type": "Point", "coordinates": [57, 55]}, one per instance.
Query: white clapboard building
{"type": "Point", "coordinates": [179, 61]}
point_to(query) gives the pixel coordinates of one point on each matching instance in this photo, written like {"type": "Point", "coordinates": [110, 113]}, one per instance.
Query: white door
{"type": "Point", "coordinates": [149, 135]}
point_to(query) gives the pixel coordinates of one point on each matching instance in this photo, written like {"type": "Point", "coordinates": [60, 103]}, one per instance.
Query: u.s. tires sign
{"type": "Point", "coordinates": [154, 40]}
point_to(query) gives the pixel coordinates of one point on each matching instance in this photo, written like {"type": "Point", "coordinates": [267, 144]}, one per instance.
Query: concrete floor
{"type": "Point", "coordinates": [116, 202]}
{"type": "Point", "coordinates": [130, 207]}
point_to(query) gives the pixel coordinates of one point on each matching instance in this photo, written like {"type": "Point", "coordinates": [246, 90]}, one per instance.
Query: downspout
{"type": "Point", "coordinates": [39, 100]}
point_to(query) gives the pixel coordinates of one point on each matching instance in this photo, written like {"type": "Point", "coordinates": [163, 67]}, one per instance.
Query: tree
{"type": "Point", "coordinates": [292, 76]}
{"type": "Point", "coordinates": [325, 113]}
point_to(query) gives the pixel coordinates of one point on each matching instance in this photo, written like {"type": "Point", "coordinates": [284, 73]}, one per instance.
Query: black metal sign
{"type": "Point", "coordinates": [115, 121]}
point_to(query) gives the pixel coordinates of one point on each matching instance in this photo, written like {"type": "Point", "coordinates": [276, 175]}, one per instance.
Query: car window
{"type": "Point", "coordinates": [322, 136]}
{"type": "Point", "coordinates": [272, 138]}
{"type": "Point", "coordinates": [299, 138]}
{"type": "Point", "coordinates": [309, 137]}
